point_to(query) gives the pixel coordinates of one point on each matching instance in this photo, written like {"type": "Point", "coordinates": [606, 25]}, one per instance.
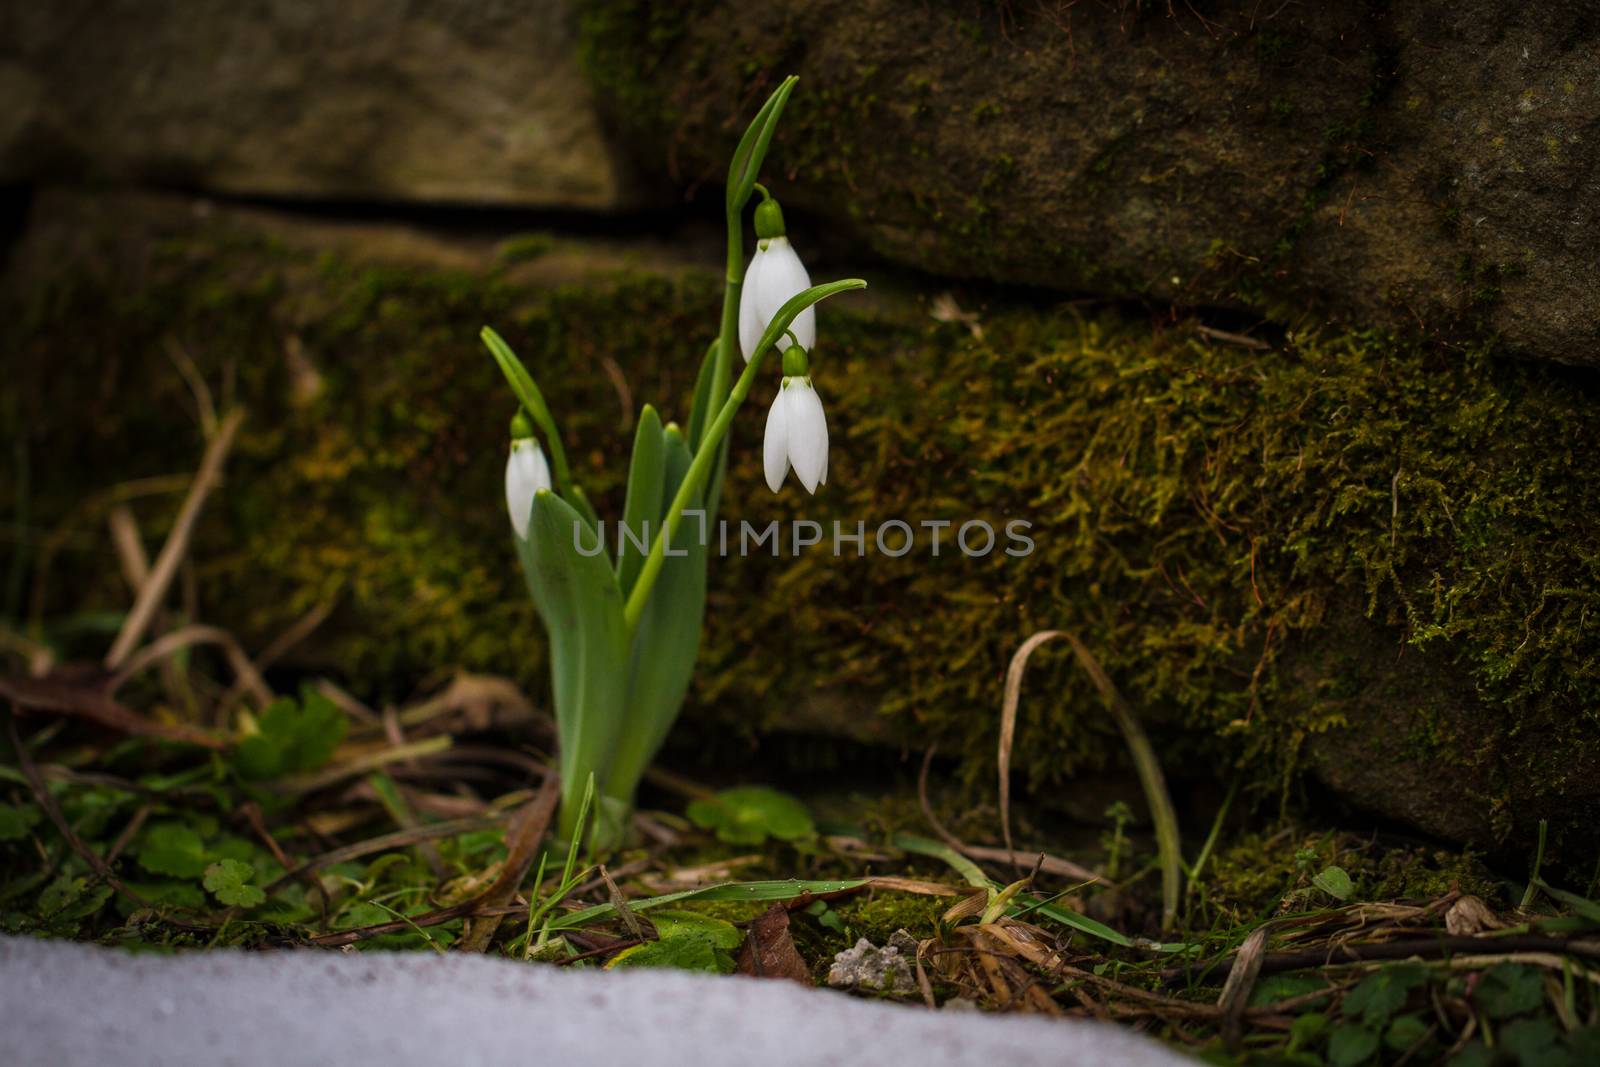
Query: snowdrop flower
{"type": "Point", "coordinates": [775, 275]}
{"type": "Point", "coordinates": [526, 474]}
{"type": "Point", "coordinates": [797, 431]}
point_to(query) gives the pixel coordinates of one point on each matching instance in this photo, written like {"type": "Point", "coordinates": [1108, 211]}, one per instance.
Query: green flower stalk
{"type": "Point", "coordinates": [624, 632]}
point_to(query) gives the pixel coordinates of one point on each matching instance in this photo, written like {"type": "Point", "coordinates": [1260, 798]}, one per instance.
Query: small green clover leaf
{"type": "Point", "coordinates": [1509, 989]}
{"type": "Point", "coordinates": [1350, 1045]}
{"type": "Point", "coordinates": [1382, 994]}
{"type": "Point", "coordinates": [750, 814]}
{"type": "Point", "coordinates": [291, 738]}
{"type": "Point", "coordinates": [1334, 881]}
{"type": "Point", "coordinates": [15, 822]}
{"type": "Point", "coordinates": [229, 882]}
{"type": "Point", "coordinates": [174, 849]}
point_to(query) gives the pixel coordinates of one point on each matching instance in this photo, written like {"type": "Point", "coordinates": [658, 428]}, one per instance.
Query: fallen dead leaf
{"type": "Point", "coordinates": [769, 950]}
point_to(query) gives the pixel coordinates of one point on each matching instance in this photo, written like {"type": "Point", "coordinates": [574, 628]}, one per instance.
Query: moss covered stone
{"type": "Point", "coordinates": [1402, 163]}
{"type": "Point", "coordinates": [1367, 559]}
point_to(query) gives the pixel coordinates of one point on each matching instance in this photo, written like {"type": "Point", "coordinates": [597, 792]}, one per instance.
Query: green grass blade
{"type": "Point", "coordinates": [1585, 907]}
{"type": "Point", "coordinates": [939, 850]}
{"type": "Point", "coordinates": [752, 150]}
{"type": "Point", "coordinates": [578, 597]}
{"type": "Point", "coordinates": [666, 641]}
{"type": "Point", "coordinates": [527, 391]}
{"type": "Point", "coordinates": [642, 511]}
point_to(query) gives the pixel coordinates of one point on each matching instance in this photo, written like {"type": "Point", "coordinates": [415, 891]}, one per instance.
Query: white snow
{"type": "Point", "coordinates": [66, 1004]}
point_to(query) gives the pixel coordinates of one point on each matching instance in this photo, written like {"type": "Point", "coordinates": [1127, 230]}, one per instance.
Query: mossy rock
{"type": "Point", "coordinates": [1368, 559]}
{"type": "Point", "coordinates": [1405, 164]}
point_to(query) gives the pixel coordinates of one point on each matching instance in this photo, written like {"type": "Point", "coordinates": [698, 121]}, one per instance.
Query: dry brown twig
{"type": "Point", "coordinates": [177, 543]}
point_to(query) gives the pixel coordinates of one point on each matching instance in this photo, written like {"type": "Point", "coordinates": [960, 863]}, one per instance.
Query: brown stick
{"type": "Point", "coordinates": [1433, 948]}
{"type": "Point", "coordinates": [177, 544]}
{"type": "Point", "coordinates": [41, 795]}
{"type": "Point", "coordinates": [525, 834]}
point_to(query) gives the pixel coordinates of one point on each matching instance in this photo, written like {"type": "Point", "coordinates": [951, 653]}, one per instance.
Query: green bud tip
{"type": "Point", "coordinates": [521, 428]}
{"type": "Point", "coordinates": [769, 219]}
{"type": "Point", "coordinates": [795, 363]}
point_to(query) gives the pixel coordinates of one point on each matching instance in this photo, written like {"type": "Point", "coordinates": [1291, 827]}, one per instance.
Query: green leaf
{"type": "Point", "coordinates": [229, 882]}
{"type": "Point", "coordinates": [293, 737]}
{"type": "Point", "coordinates": [1306, 1029]}
{"type": "Point", "coordinates": [73, 898]}
{"type": "Point", "coordinates": [1534, 1042]}
{"type": "Point", "coordinates": [1404, 1032]}
{"type": "Point", "coordinates": [1582, 905]}
{"type": "Point", "coordinates": [1278, 987]}
{"type": "Point", "coordinates": [1473, 1054]}
{"type": "Point", "coordinates": [15, 822]}
{"type": "Point", "coordinates": [172, 848]}
{"type": "Point", "coordinates": [752, 150]}
{"type": "Point", "coordinates": [667, 640]}
{"type": "Point", "coordinates": [532, 399]}
{"type": "Point", "coordinates": [688, 940]}
{"type": "Point", "coordinates": [641, 515]}
{"type": "Point", "coordinates": [184, 896]}
{"type": "Point", "coordinates": [1383, 993]}
{"type": "Point", "coordinates": [1350, 1045]}
{"type": "Point", "coordinates": [749, 815]}
{"type": "Point", "coordinates": [581, 604]}
{"type": "Point", "coordinates": [1334, 881]}
{"type": "Point", "coordinates": [673, 922]}
{"type": "Point", "coordinates": [699, 407]}
{"type": "Point", "coordinates": [1509, 989]}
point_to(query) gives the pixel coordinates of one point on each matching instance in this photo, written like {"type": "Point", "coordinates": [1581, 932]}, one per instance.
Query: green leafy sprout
{"type": "Point", "coordinates": [624, 634]}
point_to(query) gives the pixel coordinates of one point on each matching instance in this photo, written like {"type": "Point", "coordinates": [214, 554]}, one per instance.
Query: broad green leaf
{"type": "Point", "coordinates": [1474, 1054]}
{"type": "Point", "coordinates": [1383, 993]}
{"type": "Point", "coordinates": [667, 639]}
{"type": "Point", "coordinates": [581, 604]}
{"type": "Point", "coordinates": [1405, 1032]}
{"type": "Point", "coordinates": [641, 515]}
{"type": "Point", "coordinates": [172, 848]}
{"type": "Point", "coordinates": [681, 953]}
{"type": "Point", "coordinates": [72, 898]}
{"type": "Point", "coordinates": [1509, 989]}
{"type": "Point", "coordinates": [1535, 1043]}
{"type": "Point", "coordinates": [671, 922]}
{"type": "Point", "coordinates": [1334, 881]}
{"type": "Point", "coordinates": [1306, 1029]}
{"type": "Point", "coordinates": [229, 882]}
{"type": "Point", "coordinates": [1278, 987]}
{"type": "Point", "coordinates": [15, 822]}
{"type": "Point", "coordinates": [292, 737]}
{"type": "Point", "coordinates": [699, 406]}
{"type": "Point", "coordinates": [749, 815]}
{"type": "Point", "coordinates": [1351, 1044]}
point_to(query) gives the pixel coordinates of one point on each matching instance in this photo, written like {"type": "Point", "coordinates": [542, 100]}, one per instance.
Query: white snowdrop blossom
{"type": "Point", "coordinates": [775, 275]}
{"type": "Point", "coordinates": [797, 436]}
{"type": "Point", "coordinates": [526, 474]}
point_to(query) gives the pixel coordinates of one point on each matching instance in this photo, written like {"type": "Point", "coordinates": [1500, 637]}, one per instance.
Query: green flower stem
{"type": "Point", "coordinates": [527, 391]}
{"type": "Point", "coordinates": [706, 454]}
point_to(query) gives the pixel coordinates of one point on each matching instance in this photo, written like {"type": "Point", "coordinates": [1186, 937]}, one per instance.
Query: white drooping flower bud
{"type": "Point", "coordinates": [526, 474]}
{"type": "Point", "coordinates": [797, 436]}
{"type": "Point", "coordinates": [775, 275]}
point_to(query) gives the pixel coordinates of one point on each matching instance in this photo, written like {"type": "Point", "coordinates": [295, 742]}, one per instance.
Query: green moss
{"type": "Point", "coordinates": [1262, 548]}
{"type": "Point", "coordinates": [1262, 874]}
